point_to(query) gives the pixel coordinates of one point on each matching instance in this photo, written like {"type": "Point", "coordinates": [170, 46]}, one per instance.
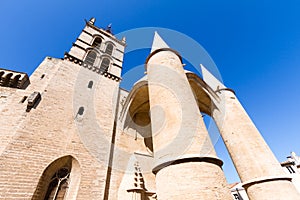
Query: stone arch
{"type": "Point", "coordinates": [204, 95]}
{"type": "Point", "coordinates": [136, 108]}
{"type": "Point", "coordinates": [138, 99]}
{"type": "Point", "coordinates": [97, 35]}
{"type": "Point", "coordinates": [135, 113]}
{"type": "Point", "coordinates": [60, 180]}
{"type": "Point", "coordinates": [93, 49]}
{"type": "Point", "coordinates": [97, 41]}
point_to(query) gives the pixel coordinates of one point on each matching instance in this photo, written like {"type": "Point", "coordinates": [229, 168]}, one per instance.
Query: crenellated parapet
{"type": "Point", "coordinates": [13, 79]}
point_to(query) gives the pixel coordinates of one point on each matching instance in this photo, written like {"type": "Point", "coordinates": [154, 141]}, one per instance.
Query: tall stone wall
{"type": "Point", "coordinates": [53, 129]}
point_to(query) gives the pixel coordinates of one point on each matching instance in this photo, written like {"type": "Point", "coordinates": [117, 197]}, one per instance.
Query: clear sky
{"type": "Point", "coordinates": [255, 45]}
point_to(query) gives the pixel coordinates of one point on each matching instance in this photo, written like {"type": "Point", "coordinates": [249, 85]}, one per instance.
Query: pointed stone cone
{"type": "Point", "coordinates": [211, 80]}
{"type": "Point", "coordinates": [158, 43]}
{"type": "Point", "coordinates": [186, 164]}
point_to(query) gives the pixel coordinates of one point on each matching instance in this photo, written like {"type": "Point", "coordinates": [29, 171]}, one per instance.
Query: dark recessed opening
{"type": "Point", "coordinates": [23, 99]}
{"type": "Point", "coordinates": [43, 75]}
{"type": "Point", "coordinates": [90, 85]}
{"type": "Point", "coordinates": [80, 111]}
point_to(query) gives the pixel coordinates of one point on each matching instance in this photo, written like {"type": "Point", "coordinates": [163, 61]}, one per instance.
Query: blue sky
{"type": "Point", "coordinates": [255, 45]}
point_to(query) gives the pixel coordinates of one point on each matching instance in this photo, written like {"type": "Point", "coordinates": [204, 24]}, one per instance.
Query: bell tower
{"type": "Point", "coordinates": [98, 50]}
{"type": "Point", "coordinates": [62, 123]}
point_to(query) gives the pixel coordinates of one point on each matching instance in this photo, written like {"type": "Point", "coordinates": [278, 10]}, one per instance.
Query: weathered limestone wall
{"type": "Point", "coordinates": [185, 161]}
{"type": "Point", "coordinates": [261, 173]}
{"type": "Point", "coordinates": [13, 110]}
{"type": "Point", "coordinates": [6, 94]}
{"type": "Point", "coordinates": [130, 148]}
{"type": "Point", "coordinates": [192, 180]}
{"type": "Point", "coordinates": [53, 130]}
{"type": "Point", "coordinates": [11, 116]}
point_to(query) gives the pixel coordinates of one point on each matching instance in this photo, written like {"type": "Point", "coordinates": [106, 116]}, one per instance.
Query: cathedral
{"type": "Point", "coordinates": [70, 132]}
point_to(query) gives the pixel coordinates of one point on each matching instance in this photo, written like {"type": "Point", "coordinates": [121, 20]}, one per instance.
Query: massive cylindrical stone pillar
{"type": "Point", "coordinates": [260, 172]}
{"type": "Point", "coordinates": [186, 164]}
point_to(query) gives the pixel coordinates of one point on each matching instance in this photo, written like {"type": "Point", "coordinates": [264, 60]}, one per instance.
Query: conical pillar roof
{"type": "Point", "coordinates": [158, 42]}
{"type": "Point", "coordinates": [210, 79]}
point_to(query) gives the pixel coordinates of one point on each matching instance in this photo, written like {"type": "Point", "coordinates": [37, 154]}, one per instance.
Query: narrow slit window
{"type": "Point", "coordinates": [80, 111]}
{"type": "Point", "coordinates": [23, 99]}
{"type": "Point", "coordinates": [90, 85]}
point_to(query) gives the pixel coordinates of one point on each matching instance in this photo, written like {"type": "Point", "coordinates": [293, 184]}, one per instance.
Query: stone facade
{"type": "Point", "coordinates": [72, 133]}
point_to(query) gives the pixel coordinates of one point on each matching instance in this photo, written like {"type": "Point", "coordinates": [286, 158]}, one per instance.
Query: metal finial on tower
{"type": "Point", "coordinates": [108, 28]}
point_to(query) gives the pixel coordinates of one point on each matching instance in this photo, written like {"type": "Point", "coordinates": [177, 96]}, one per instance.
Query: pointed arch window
{"type": "Point", "coordinates": [59, 184]}
{"type": "Point", "coordinates": [90, 58]}
{"type": "Point", "coordinates": [104, 64]}
{"type": "Point", "coordinates": [97, 42]}
{"type": "Point", "coordinates": [60, 180]}
{"type": "Point", "coordinates": [109, 49]}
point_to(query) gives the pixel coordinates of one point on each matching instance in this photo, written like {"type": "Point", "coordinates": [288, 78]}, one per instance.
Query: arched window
{"type": "Point", "coordinates": [59, 184]}
{"type": "Point", "coordinates": [97, 42]}
{"type": "Point", "coordinates": [59, 181]}
{"type": "Point", "coordinates": [104, 64]}
{"type": "Point", "coordinates": [90, 58]}
{"type": "Point", "coordinates": [109, 49]}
